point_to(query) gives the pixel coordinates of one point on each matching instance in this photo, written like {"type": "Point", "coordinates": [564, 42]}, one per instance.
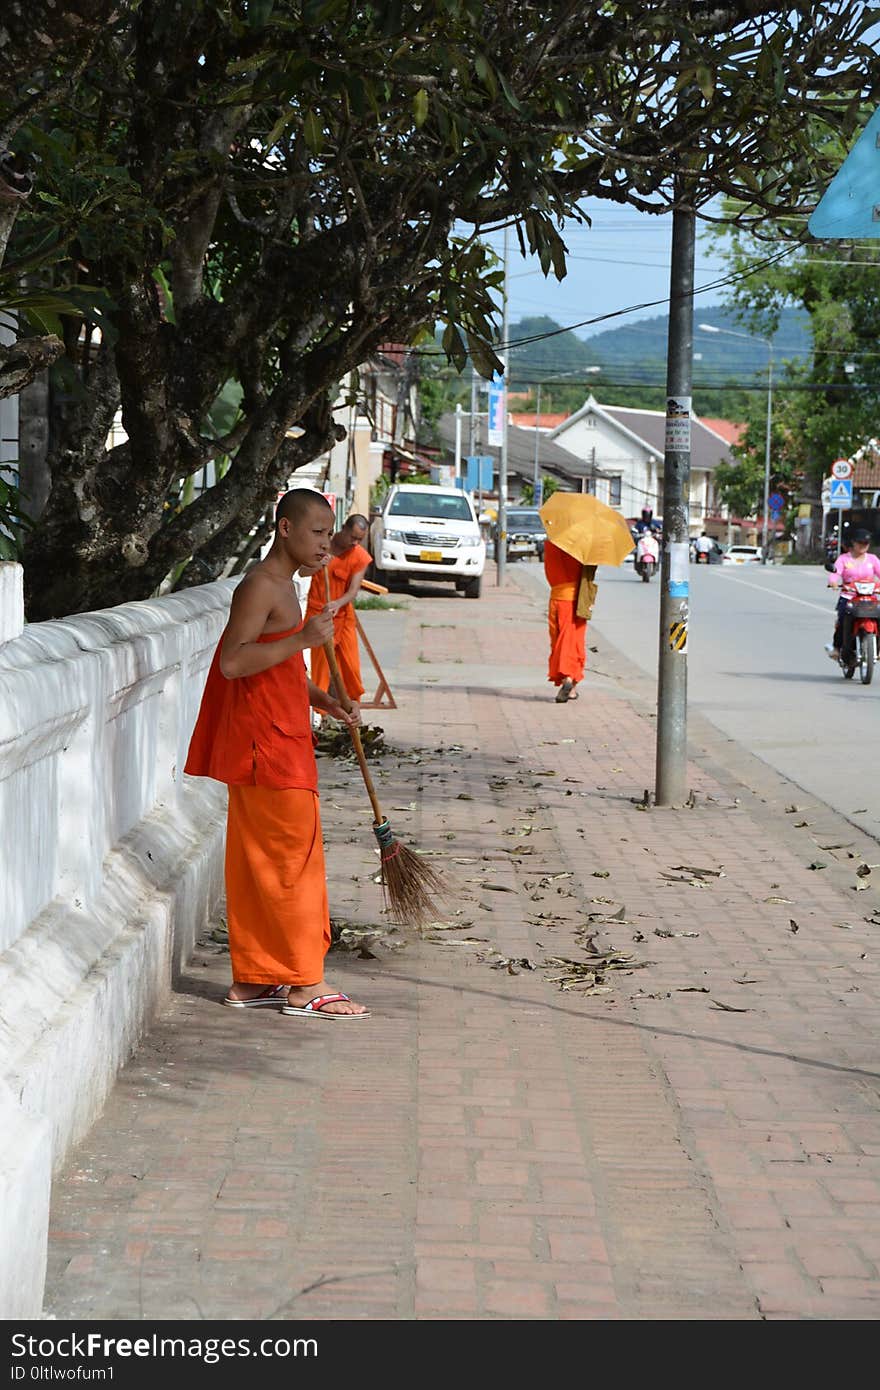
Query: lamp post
{"type": "Point", "coordinates": [756, 338]}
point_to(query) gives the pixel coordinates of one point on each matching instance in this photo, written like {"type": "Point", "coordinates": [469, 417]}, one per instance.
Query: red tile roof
{"type": "Point", "coordinates": [729, 430]}
{"type": "Point", "coordinates": [547, 422]}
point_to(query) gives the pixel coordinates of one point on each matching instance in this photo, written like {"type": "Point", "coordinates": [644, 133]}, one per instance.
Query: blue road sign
{"type": "Point", "coordinates": [775, 503]}
{"type": "Point", "coordinates": [840, 492]}
{"type": "Point", "coordinates": [479, 473]}
{"type": "Point", "coordinates": [850, 205]}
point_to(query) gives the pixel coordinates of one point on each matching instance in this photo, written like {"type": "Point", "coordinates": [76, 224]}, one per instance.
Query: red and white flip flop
{"type": "Point", "coordinates": [272, 994]}
{"type": "Point", "coordinates": [315, 1008]}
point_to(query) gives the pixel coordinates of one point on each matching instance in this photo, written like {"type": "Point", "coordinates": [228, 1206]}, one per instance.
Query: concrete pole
{"type": "Point", "coordinates": [765, 535]}
{"type": "Point", "coordinates": [501, 525]}
{"type": "Point", "coordinates": [458, 414]}
{"type": "Point", "coordinates": [537, 474]}
{"type": "Point", "coordinates": [472, 439]}
{"type": "Point", "coordinates": [671, 786]}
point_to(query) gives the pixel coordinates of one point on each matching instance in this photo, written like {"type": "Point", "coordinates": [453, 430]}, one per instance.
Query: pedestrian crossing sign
{"type": "Point", "coordinates": [840, 492]}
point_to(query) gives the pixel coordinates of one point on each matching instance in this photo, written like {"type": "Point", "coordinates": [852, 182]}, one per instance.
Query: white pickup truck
{"type": "Point", "coordinates": [429, 533]}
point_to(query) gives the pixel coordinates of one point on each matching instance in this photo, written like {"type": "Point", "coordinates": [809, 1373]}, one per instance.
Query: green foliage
{"type": "Point", "coordinates": [14, 522]}
{"type": "Point", "coordinates": [825, 404]}
{"type": "Point", "coordinates": [266, 193]}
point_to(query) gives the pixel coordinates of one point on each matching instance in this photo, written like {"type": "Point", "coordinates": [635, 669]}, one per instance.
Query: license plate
{"type": "Point", "coordinates": [434, 556]}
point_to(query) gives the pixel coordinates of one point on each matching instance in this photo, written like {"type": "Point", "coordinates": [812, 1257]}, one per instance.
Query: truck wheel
{"type": "Point", "coordinates": [472, 587]}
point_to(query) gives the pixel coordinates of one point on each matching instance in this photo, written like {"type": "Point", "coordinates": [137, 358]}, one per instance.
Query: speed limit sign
{"type": "Point", "coordinates": [841, 468]}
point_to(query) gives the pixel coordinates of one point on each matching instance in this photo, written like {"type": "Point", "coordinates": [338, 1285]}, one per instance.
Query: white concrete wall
{"type": "Point", "coordinates": [109, 864]}
{"type": "Point", "coordinates": [617, 454]}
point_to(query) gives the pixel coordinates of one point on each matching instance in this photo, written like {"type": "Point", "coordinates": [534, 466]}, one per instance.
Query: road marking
{"type": "Point", "coordinates": [729, 579]}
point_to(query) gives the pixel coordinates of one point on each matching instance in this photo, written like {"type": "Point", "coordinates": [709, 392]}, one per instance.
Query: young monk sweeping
{"type": "Point", "coordinates": [253, 733]}
{"type": "Point", "coordinates": [346, 567]}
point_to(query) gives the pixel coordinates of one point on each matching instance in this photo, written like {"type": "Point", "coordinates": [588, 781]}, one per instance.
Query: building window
{"type": "Point", "coordinates": [615, 491]}
{"type": "Point", "coordinates": [590, 422]}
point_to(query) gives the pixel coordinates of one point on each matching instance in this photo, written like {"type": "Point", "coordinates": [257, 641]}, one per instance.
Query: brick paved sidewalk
{"type": "Point", "coordinates": [700, 1141]}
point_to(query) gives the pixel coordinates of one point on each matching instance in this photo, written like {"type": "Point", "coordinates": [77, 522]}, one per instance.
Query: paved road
{"type": "Point", "coordinates": [757, 669]}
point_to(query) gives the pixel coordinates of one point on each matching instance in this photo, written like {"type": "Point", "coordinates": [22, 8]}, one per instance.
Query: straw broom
{"type": "Point", "coordinates": [409, 885]}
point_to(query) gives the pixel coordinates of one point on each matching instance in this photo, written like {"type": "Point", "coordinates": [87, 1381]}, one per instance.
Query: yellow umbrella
{"type": "Point", "coordinates": [584, 527]}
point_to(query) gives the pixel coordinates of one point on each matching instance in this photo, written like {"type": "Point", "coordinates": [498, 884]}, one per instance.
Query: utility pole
{"type": "Point", "coordinates": [765, 529]}
{"type": "Point", "coordinates": [536, 481]}
{"type": "Point", "coordinates": [501, 525]}
{"type": "Point", "coordinates": [472, 428]}
{"type": "Point", "coordinates": [671, 785]}
{"type": "Point", "coordinates": [457, 441]}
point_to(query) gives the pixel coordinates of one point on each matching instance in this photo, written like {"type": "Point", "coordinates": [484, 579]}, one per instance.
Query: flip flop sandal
{"type": "Point", "coordinates": [272, 994]}
{"type": "Point", "coordinates": [565, 692]}
{"type": "Point", "coordinates": [315, 1008]}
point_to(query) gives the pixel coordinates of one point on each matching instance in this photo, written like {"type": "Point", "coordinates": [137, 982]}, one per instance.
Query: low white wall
{"type": "Point", "coordinates": [109, 864]}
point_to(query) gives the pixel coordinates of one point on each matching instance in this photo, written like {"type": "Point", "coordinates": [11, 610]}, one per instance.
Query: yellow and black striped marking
{"type": "Point", "coordinates": [678, 637]}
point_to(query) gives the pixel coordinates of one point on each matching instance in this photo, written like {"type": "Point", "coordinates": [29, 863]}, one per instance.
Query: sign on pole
{"type": "Point", "coordinates": [496, 412]}
{"type": "Point", "coordinates": [841, 468]}
{"type": "Point", "coordinates": [775, 504]}
{"type": "Point", "coordinates": [841, 492]}
{"type": "Point", "coordinates": [850, 205]}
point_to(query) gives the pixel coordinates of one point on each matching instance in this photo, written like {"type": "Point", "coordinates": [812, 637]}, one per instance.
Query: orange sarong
{"type": "Point", "coordinates": [276, 886]}
{"type": "Point", "coordinates": [567, 631]}
{"type": "Point", "coordinates": [342, 570]}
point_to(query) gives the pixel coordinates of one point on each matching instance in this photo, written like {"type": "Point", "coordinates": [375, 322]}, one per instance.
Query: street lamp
{"type": "Point", "coordinates": [757, 338]}
{"type": "Point", "coordinates": [536, 483]}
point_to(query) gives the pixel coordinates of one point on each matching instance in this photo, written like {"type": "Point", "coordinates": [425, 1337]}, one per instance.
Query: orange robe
{"type": "Point", "coordinates": [567, 630]}
{"type": "Point", "coordinates": [254, 733]}
{"type": "Point", "coordinates": [342, 570]}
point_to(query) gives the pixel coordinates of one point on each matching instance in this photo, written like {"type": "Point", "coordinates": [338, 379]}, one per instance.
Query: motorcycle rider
{"type": "Point", "coordinates": [647, 547]}
{"type": "Point", "coordinates": [858, 566]}
{"type": "Point", "coordinates": [703, 548]}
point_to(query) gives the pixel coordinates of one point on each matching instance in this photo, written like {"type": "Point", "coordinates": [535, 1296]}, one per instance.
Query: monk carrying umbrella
{"type": "Point", "coordinates": [582, 533]}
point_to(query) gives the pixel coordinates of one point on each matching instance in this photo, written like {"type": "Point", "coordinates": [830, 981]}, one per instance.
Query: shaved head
{"type": "Point", "coordinates": [356, 521]}
{"type": "Point", "coordinates": [294, 505]}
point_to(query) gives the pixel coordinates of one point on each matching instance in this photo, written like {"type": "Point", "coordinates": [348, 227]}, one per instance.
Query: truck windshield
{"type": "Point", "coordinates": [524, 521]}
{"type": "Point", "coordinates": [434, 505]}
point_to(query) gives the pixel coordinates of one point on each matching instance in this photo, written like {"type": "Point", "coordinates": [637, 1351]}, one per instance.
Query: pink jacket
{"type": "Point", "coordinates": [850, 571]}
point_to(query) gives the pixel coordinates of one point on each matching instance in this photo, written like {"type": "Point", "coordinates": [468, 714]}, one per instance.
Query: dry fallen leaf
{"type": "Point", "coordinates": [777, 900]}
{"type": "Point", "coordinates": [792, 925]}
{"type": "Point", "coordinates": [728, 1008]}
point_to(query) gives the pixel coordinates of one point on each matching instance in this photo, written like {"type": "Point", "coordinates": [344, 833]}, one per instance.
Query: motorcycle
{"type": "Point", "coordinates": [647, 557]}
{"type": "Point", "coordinates": [861, 622]}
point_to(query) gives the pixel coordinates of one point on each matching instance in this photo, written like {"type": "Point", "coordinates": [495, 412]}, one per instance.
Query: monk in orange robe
{"type": "Point", "coordinates": [567, 630]}
{"type": "Point", "coordinates": [253, 732]}
{"type": "Point", "coordinates": [346, 567]}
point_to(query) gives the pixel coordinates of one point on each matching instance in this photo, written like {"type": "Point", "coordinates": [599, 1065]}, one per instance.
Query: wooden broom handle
{"type": "Point", "coordinates": [342, 697]}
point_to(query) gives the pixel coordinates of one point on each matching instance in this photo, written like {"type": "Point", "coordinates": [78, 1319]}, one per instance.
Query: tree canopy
{"type": "Point", "coordinates": [825, 405]}
{"type": "Point", "coordinates": [248, 195]}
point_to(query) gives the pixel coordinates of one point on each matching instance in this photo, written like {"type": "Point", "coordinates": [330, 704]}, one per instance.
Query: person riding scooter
{"type": "Point", "coordinates": [647, 555]}
{"type": "Point", "coordinates": [856, 567]}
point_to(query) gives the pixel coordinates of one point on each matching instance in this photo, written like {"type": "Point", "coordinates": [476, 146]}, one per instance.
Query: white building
{"type": "Point", "coordinates": [627, 446]}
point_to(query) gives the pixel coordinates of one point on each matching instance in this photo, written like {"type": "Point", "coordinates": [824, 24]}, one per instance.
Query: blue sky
{"type": "Point", "coordinates": [622, 260]}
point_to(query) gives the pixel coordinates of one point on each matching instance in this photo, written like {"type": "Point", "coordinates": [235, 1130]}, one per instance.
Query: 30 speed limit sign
{"type": "Point", "coordinates": [841, 468]}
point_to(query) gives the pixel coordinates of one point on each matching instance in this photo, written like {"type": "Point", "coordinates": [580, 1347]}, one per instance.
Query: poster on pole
{"type": "Point", "coordinates": [496, 418]}
{"type": "Point", "coordinates": [678, 425]}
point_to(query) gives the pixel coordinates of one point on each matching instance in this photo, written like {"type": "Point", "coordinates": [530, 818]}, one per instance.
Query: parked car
{"type": "Point", "coordinates": [432, 533]}
{"type": "Point", "coordinates": [743, 555]}
{"type": "Point", "coordinates": [525, 533]}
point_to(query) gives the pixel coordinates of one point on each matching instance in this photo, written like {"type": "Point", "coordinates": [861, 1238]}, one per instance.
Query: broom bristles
{"type": "Point", "coordinates": [410, 886]}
